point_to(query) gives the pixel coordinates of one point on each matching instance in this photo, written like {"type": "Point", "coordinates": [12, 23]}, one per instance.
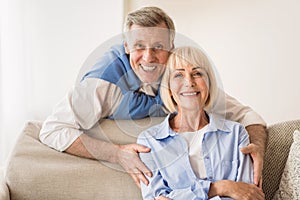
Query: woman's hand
{"type": "Point", "coordinates": [236, 190]}
{"type": "Point", "coordinates": [245, 191]}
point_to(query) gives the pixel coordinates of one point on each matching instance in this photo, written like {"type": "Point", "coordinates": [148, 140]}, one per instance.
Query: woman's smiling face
{"type": "Point", "coordinates": [189, 87]}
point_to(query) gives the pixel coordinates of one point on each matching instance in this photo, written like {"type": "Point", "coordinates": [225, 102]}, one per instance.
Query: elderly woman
{"type": "Point", "coordinates": [195, 153]}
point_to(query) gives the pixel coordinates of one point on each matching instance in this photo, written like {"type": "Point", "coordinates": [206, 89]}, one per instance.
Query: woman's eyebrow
{"type": "Point", "coordinates": [198, 67]}
{"type": "Point", "coordinates": [179, 69]}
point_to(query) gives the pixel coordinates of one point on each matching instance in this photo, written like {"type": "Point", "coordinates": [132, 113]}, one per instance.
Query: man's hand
{"type": "Point", "coordinates": [162, 198]}
{"type": "Point", "coordinates": [258, 138]}
{"type": "Point", "coordinates": [127, 157]}
{"type": "Point", "coordinates": [258, 158]}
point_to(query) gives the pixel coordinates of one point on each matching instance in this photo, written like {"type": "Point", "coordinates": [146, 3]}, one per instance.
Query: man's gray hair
{"type": "Point", "coordinates": [149, 17]}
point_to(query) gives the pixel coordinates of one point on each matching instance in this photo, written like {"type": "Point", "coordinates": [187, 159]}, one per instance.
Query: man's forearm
{"type": "Point", "coordinates": [91, 148]}
{"type": "Point", "coordinates": [258, 135]}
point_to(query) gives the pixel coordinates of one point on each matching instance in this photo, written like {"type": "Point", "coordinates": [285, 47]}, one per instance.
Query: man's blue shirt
{"type": "Point", "coordinates": [114, 67]}
{"type": "Point", "coordinates": [173, 175]}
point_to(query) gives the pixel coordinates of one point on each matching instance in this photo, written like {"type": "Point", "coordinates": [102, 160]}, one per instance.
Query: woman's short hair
{"type": "Point", "coordinates": [184, 56]}
{"type": "Point", "coordinates": [149, 17]}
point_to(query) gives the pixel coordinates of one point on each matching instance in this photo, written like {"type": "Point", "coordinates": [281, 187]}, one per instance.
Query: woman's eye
{"type": "Point", "coordinates": [198, 74]}
{"type": "Point", "coordinates": [178, 75]}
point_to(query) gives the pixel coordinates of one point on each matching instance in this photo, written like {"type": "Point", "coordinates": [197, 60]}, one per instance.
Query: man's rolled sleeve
{"type": "Point", "coordinates": [235, 111]}
{"type": "Point", "coordinates": [87, 103]}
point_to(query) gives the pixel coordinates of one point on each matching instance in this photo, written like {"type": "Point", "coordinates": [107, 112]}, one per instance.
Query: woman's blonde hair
{"type": "Point", "coordinates": [185, 56]}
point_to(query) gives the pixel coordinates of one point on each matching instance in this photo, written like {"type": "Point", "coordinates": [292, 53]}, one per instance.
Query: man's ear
{"type": "Point", "coordinates": [127, 51]}
{"type": "Point", "coordinates": [172, 46]}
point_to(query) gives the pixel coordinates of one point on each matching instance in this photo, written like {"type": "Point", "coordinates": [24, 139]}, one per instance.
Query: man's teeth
{"type": "Point", "coordinates": [189, 94]}
{"type": "Point", "coordinates": [148, 68]}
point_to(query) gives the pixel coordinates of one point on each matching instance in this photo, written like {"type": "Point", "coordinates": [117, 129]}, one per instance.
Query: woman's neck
{"type": "Point", "coordinates": [189, 121]}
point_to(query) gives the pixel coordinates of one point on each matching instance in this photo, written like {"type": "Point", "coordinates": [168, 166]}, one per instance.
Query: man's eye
{"type": "Point", "coordinates": [158, 46]}
{"type": "Point", "coordinates": [139, 46]}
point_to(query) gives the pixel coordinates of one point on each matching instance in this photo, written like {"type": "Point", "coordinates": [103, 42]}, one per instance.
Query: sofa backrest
{"type": "Point", "coordinates": [35, 171]}
{"type": "Point", "coordinates": [279, 143]}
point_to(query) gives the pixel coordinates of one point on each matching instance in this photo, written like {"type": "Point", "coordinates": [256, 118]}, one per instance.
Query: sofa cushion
{"type": "Point", "coordinates": [37, 172]}
{"type": "Point", "coordinates": [289, 187]}
{"type": "Point", "coordinates": [279, 143]}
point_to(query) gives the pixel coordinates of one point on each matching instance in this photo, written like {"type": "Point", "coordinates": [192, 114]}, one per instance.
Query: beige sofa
{"type": "Point", "coordinates": [35, 171]}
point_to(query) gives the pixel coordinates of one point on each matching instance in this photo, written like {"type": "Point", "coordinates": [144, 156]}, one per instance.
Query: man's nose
{"type": "Point", "coordinates": [149, 55]}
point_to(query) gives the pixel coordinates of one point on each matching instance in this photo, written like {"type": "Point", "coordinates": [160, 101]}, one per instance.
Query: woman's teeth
{"type": "Point", "coordinates": [189, 93]}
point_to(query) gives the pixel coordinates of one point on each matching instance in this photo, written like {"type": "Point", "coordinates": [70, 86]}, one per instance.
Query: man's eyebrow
{"type": "Point", "coordinates": [138, 41]}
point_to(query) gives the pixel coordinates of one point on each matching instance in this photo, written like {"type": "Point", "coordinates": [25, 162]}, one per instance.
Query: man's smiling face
{"type": "Point", "coordinates": [149, 51]}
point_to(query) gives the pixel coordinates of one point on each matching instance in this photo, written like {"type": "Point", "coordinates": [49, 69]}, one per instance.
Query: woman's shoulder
{"type": "Point", "coordinates": [152, 133]}
{"type": "Point", "coordinates": [226, 124]}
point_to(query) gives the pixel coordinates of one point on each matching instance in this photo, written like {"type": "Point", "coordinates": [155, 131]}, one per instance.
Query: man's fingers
{"type": "Point", "coordinates": [140, 148]}
{"type": "Point", "coordinates": [130, 161]}
{"type": "Point", "coordinates": [142, 168]}
{"type": "Point", "coordinates": [248, 149]}
{"type": "Point", "coordinates": [257, 161]}
{"type": "Point", "coordinates": [260, 182]}
{"type": "Point", "coordinates": [139, 177]}
{"type": "Point", "coordinates": [257, 171]}
{"type": "Point", "coordinates": [136, 180]}
{"type": "Point", "coordinates": [138, 163]}
{"type": "Point", "coordinates": [256, 177]}
{"type": "Point", "coordinates": [162, 198]}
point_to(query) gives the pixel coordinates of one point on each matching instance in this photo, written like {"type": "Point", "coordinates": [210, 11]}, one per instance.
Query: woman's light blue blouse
{"type": "Point", "coordinates": [168, 160]}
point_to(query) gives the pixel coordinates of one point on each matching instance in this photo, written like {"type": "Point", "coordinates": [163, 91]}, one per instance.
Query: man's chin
{"type": "Point", "coordinates": [150, 81]}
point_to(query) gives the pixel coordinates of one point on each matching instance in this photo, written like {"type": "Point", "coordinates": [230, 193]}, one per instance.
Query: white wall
{"type": "Point", "coordinates": [60, 35]}
{"type": "Point", "coordinates": [254, 45]}
{"type": "Point", "coordinates": [44, 43]}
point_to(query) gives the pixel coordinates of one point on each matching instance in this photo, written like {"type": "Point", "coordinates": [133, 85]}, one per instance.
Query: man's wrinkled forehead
{"type": "Point", "coordinates": [148, 35]}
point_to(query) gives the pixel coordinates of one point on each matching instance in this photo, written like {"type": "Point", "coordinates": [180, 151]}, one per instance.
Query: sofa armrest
{"type": "Point", "coordinates": [4, 192]}
{"type": "Point", "coordinates": [35, 171]}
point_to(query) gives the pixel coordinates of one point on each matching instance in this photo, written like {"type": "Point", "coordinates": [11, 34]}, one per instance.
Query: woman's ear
{"type": "Point", "coordinates": [170, 93]}
{"type": "Point", "coordinates": [207, 100]}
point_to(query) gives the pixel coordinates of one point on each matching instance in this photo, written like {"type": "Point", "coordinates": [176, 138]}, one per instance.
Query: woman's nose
{"type": "Point", "coordinates": [189, 80]}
